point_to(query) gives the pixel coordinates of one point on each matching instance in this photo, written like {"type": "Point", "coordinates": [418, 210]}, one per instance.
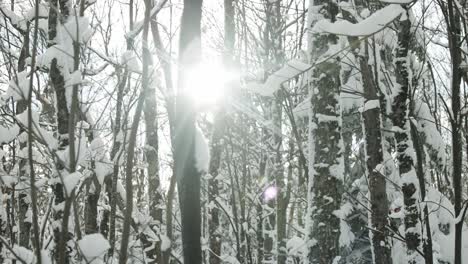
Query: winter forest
{"type": "Point", "coordinates": [234, 131]}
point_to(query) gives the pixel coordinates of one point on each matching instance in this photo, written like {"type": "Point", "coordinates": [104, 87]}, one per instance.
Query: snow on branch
{"type": "Point", "coordinates": [20, 21]}
{"type": "Point", "coordinates": [8, 133]}
{"type": "Point", "coordinates": [17, 21]}
{"type": "Point", "coordinates": [93, 247]}
{"type": "Point", "coordinates": [290, 70]}
{"type": "Point", "coordinates": [70, 181]}
{"type": "Point", "coordinates": [369, 26]}
{"type": "Point", "coordinates": [139, 25]}
{"type": "Point", "coordinates": [302, 109]}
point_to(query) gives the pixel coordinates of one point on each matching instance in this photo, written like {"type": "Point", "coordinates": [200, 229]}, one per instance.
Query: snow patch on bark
{"type": "Point", "coordinates": [346, 235]}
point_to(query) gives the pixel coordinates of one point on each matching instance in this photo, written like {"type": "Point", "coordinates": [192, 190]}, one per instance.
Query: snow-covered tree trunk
{"type": "Point", "coordinates": [404, 144]}
{"type": "Point", "coordinates": [23, 197]}
{"type": "Point", "coordinates": [326, 175]}
{"type": "Point", "coordinates": [188, 174]}
{"type": "Point", "coordinates": [58, 14]}
{"type": "Point", "coordinates": [420, 172]}
{"type": "Point", "coordinates": [151, 153]}
{"type": "Point", "coordinates": [153, 249]}
{"type": "Point", "coordinates": [64, 248]}
{"type": "Point", "coordinates": [374, 163]}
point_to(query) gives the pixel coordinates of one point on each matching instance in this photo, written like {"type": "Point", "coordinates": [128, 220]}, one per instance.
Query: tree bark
{"type": "Point", "coordinates": [375, 168]}
{"type": "Point", "coordinates": [91, 212]}
{"type": "Point", "coordinates": [404, 145]}
{"type": "Point", "coordinates": [58, 9]}
{"type": "Point", "coordinates": [23, 198]}
{"type": "Point", "coordinates": [153, 249]}
{"type": "Point", "coordinates": [454, 37]}
{"type": "Point", "coordinates": [32, 178]}
{"type": "Point", "coordinates": [420, 161]}
{"type": "Point", "coordinates": [326, 177]}
{"type": "Point", "coordinates": [187, 174]}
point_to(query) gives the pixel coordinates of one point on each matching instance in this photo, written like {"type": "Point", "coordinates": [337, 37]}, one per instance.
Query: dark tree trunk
{"type": "Point", "coordinates": [91, 206]}
{"type": "Point", "coordinates": [260, 215]}
{"type": "Point", "coordinates": [213, 189]}
{"type": "Point", "coordinates": [374, 163]}
{"type": "Point", "coordinates": [128, 218]}
{"type": "Point", "coordinates": [155, 198]}
{"type": "Point", "coordinates": [454, 37]}
{"type": "Point", "coordinates": [419, 149]}
{"type": "Point", "coordinates": [326, 179]}
{"type": "Point", "coordinates": [23, 197]}
{"type": "Point", "coordinates": [187, 174]}
{"type": "Point", "coordinates": [59, 9]}
{"type": "Point", "coordinates": [153, 248]}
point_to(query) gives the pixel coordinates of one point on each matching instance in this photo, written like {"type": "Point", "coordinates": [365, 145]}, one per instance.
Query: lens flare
{"type": "Point", "coordinates": [270, 193]}
{"type": "Point", "coordinates": [207, 83]}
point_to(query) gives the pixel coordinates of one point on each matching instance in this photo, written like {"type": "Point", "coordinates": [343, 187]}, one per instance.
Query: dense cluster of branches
{"type": "Point", "coordinates": [342, 137]}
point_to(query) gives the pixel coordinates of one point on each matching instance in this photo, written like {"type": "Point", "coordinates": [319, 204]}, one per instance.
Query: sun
{"type": "Point", "coordinates": [207, 83]}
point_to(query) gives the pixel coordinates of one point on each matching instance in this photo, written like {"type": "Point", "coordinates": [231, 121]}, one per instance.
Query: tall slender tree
{"type": "Point", "coordinates": [187, 173]}
{"type": "Point", "coordinates": [404, 144]}
{"type": "Point", "coordinates": [326, 174]}
{"type": "Point", "coordinates": [454, 31]}
{"type": "Point", "coordinates": [374, 164]}
{"type": "Point", "coordinates": [58, 14]}
{"type": "Point", "coordinates": [129, 164]}
{"type": "Point", "coordinates": [217, 146]}
{"type": "Point", "coordinates": [153, 249]}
